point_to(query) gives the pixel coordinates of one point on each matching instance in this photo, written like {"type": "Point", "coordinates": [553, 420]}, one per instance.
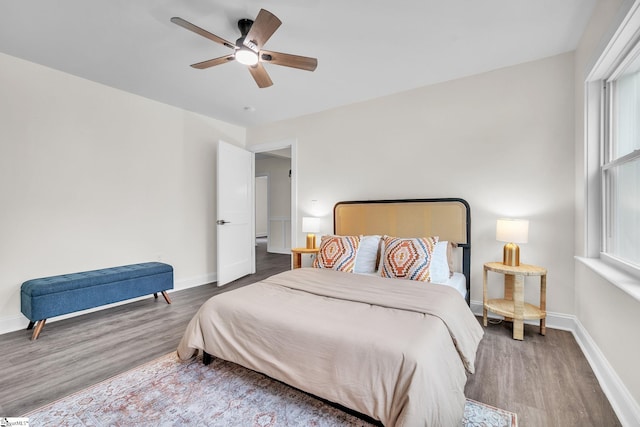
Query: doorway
{"type": "Point", "coordinates": [279, 238]}
{"type": "Point", "coordinates": [276, 148]}
{"type": "Point", "coordinates": [273, 199]}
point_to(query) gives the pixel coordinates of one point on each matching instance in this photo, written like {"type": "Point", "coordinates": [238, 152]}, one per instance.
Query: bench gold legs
{"type": "Point", "coordinates": [36, 331]}
{"type": "Point", "coordinates": [165, 295]}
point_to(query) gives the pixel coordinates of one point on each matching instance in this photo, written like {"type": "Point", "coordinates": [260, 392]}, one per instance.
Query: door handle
{"type": "Point", "coordinates": [222, 222]}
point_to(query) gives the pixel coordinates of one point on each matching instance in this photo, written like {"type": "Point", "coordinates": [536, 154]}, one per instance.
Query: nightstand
{"type": "Point", "coordinates": [512, 305]}
{"type": "Point", "coordinates": [297, 255]}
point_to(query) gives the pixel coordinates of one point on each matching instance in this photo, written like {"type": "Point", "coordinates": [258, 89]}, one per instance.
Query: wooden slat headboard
{"type": "Point", "coordinates": [448, 218]}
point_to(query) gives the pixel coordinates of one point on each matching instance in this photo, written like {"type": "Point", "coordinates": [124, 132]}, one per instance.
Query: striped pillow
{"type": "Point", "coordinates": [407, 258]}
{"type": "Point", "coordinates": [337, 253]}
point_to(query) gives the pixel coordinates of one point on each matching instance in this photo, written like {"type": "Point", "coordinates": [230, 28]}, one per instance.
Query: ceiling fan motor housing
{"type": "Point", "coordinates": [244, 25]}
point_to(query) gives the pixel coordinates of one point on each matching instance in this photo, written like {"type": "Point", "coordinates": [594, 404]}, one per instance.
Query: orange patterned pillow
{"type": "Point", "coordinates": [407, 258]}
{"type": "Point", "coordinates": [337, 253]}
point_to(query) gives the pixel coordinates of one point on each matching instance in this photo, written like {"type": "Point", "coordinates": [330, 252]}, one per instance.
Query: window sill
{"type": "Point", "coordinates": [619, 278]}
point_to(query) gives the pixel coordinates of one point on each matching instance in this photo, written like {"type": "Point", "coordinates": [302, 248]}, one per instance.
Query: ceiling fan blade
{"type": "Point", "coordinates": [204, 33]}
{"type": "Point", "coordinates": [287, 60]}
{"type": "Point", "coordinates": [260, 75]}
{"type": "Point", "coordinates": [213, 62]}
{"type": "Point", "coordinates": [263, 27]}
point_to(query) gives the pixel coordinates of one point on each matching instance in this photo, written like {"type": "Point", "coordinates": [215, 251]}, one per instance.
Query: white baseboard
{"type": "Point", "coordinates": [13, 323]}
{"type": "Point", "coordinates": [195, 281]}
{"type": "Point", "coordinates": [561, 321]}
{"type": "Point", "coordinates": [18, 321]}
{"type": "Point", "coordinates": [276, 250]}
{"type": "Point", "coordinates": [625, 407]}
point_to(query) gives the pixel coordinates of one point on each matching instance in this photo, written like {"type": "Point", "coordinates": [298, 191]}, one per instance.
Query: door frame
{"type": "Point", "coordinates": [273, 146]}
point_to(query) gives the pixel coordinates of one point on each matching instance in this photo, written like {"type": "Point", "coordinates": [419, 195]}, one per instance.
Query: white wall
{"type": "Point", "coordinates": [608, 316]}
{"type": "Point", "coordinates": [262, 205]}
{"type": "Point", "coordinates": [93, 177]}
{"type": "Point", "coordinates": [502, 140]}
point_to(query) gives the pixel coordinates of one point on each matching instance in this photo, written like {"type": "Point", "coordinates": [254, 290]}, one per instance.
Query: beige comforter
{"type": "Point", "coordinates": [395, 350]}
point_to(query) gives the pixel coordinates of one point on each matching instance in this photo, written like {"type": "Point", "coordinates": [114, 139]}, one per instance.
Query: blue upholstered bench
{"type": "Point", "coordinates": [57, 295]}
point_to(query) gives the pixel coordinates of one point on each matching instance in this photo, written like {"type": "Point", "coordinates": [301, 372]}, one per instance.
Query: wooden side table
{"type": "Point", "coordinates": [512, 305]}
{"type": "Point", "coordinates": [297, 255]}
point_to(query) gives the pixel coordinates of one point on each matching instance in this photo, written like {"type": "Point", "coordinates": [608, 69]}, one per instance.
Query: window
{"type": "Point", "coordinates": [620, 169]}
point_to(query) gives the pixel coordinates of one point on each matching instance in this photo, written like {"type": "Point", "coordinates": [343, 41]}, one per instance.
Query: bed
{"type": "Point", "coordinates": [395, 350]}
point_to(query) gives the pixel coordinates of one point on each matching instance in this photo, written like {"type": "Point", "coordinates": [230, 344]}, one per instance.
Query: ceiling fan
{"type": "Point", "coordinates": [248, 48]}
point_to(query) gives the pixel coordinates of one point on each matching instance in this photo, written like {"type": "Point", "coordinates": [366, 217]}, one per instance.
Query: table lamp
{"type": "Point", "coordinates": [310, 225]}
{"type": "Point", "coordinates": [512, 231]}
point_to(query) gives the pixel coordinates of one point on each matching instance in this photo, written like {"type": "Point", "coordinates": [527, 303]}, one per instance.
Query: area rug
{"type": "Point", "coordinates": [169, 392]}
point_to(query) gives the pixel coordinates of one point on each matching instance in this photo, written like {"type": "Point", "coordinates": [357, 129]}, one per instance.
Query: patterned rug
{"type": "Point", "coordinates": [168, 392]}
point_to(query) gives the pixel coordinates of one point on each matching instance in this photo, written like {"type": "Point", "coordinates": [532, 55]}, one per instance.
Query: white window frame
{"type": "Point", "coordinates": [607, 163]}
{"type": "Point", "coordinates": [619, 49]}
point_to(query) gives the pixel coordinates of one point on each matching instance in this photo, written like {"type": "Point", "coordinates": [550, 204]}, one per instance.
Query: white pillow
{"type": "Point", "coordinates": [367, 255]}
{"type": "Point", "coordinates": [439, 268]}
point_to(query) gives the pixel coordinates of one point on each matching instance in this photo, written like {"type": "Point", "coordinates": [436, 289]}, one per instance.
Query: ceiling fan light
{"type": "Point", "coordinates": [246, 56]}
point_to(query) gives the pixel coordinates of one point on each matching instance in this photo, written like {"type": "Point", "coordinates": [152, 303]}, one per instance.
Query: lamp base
{"type": "Point", "coordinates": [311, 241]}
{"type": "Point", "coordinates": [511, 255]}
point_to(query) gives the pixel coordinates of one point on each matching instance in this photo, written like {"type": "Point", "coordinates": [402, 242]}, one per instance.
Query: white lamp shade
{"type": "Point", "coordinates": [310, 224]}
{"type": "Point", "coordinates": [512, 230]}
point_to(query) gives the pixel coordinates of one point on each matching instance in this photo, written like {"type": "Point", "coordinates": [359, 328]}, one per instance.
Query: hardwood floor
{"type": "Point", "coordinates": [546, 380]}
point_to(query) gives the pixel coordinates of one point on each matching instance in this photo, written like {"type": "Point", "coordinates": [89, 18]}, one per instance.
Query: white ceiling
{"type": "Point", "coordinates": [365, 48]}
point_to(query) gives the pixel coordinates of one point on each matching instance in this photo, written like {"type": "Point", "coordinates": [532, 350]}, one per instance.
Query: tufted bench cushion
{"type": "Point", "coordinates": [47, 297]}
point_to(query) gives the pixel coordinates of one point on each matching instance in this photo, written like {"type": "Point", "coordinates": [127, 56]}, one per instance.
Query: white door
{"type": "Point", "coordinates": [234, 224]}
